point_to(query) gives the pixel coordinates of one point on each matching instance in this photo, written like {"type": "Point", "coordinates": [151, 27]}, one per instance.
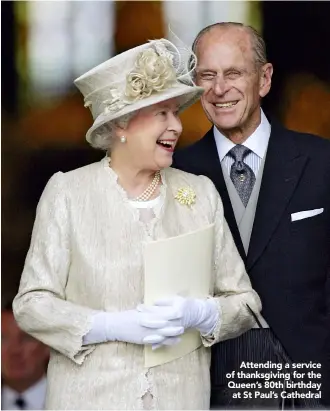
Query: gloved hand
{"type": "Point", "coordinates": [134, 327]}
{"type": "Point", "coordinates": [185, 312]}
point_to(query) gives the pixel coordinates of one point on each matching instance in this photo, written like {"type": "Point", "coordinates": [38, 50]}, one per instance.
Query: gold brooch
{"type": "Point", "coordinates": [186, 196]}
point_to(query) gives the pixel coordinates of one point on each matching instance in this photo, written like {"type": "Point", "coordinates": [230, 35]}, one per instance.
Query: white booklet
{"type": "Point", "coordinates": [178, 265]}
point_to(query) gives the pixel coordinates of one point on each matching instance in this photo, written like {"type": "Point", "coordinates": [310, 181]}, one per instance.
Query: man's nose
{"type": "Point", "coordinates": [220, 86]}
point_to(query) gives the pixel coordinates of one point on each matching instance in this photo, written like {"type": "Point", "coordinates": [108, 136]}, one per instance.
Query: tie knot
{"type": "Point", "coordinates": [20, 403]}
{"type": "Point", "coordinates": [239, 152]}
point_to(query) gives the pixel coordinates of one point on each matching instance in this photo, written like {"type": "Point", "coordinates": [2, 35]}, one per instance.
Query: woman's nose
{"type": "Point", "coordinates": [175, 124]}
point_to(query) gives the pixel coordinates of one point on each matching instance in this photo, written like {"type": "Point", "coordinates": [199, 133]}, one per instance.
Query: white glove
{"type": "Point", "coordinates": [185, 312]}
{"type": "Point", "coordinates": [127, 326]}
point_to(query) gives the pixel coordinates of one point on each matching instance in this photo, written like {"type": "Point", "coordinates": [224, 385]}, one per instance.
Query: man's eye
{"type": "Point", "coordinates": [233, 74]}
{"type": "Point", "coordinates": [207, 76]}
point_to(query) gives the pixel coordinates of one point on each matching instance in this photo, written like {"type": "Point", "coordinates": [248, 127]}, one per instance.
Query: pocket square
{"type": "Point", "coordinates": [306, 214]}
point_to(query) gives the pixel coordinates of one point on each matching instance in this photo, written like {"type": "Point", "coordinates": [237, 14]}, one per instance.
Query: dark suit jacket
{"type": "Point", "coordinates": [288, 262]}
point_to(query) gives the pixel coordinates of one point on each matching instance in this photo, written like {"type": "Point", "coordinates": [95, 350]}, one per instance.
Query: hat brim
{"type": "Point", "coordinates": [186, 95]}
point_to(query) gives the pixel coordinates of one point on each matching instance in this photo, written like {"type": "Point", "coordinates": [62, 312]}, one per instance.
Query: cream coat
{"type": "Point", "coordinates": [86, 255]}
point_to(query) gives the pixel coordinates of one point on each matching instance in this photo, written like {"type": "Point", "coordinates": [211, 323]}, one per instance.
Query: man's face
{"type": "Point", "coordinates": [233, 83]}
{"type": "Point", "coordinates": [23, 358]}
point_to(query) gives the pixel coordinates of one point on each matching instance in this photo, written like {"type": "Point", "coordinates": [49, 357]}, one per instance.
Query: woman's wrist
{"type": "Point", "coordinates": [98, 332]}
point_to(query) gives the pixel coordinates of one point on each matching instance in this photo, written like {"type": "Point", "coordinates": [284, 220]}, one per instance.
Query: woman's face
{"type": "Point", "coordinates": [152, 134]}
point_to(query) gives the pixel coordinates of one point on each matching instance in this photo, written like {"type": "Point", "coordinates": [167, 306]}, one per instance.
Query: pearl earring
{"type": "Point", "coordinates": [123, 139]}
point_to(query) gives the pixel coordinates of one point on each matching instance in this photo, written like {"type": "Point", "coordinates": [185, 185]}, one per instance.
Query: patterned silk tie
{"type": "Point", "coordinates": [241, 174]}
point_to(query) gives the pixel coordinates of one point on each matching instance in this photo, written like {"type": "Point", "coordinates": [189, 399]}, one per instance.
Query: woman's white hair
{"type": "Point", "coordinates": [103, 139]}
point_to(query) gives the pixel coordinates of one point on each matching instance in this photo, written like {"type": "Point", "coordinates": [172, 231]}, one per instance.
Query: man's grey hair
{"type": "Point", "coordinates": [104, 136]}
{"type": "Point", "coordinates": [258, 43]}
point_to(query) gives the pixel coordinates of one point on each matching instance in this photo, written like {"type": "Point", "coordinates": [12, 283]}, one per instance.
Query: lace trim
{"type": "Point", "coordinates": [147, 399]}
{"type": "Point", "coordinates": [80, 352]}
{"type": "Point", "coordinates": [210, 339]}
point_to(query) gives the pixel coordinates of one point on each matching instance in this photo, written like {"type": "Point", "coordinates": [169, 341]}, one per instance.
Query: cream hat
{"type": "Point", "coordinates": [140, 77]}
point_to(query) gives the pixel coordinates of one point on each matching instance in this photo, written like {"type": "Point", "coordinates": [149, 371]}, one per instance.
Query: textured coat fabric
{"type": "Point", "coordinates": [86, 255]}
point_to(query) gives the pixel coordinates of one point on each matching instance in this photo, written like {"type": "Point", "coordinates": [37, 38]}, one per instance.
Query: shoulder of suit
{"type": "Point", "coordinates": [88, 171]}
{"type": "Point", "coordinates": [311, 142]}
{"type": "Point", "coordinates": [80, 178]}
{"type": "Point", "coordinates": [206, 193]}
{"type": "Point", "coordinates": [195, 147]}
{"type": "Point", "coordinates": [90, 176]}
{"type": "Point", "coordinates": [174, 173]}
{"type": "Point", "coordinates": [180, 179]}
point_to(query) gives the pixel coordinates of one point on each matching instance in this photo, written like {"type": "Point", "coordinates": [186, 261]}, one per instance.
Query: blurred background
{"type": "Point", "coordinates": [46, 44]}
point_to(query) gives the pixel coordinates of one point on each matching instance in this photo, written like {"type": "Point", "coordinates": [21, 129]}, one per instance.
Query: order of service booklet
{"type": "Point", "coordinates": [179, 265]}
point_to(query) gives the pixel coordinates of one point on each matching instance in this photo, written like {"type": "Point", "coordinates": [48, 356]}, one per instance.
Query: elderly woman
{"type": "Point", "coordinates": [83, 278]}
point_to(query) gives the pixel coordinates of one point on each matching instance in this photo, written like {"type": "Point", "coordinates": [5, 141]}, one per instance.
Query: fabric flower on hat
{"type": "Point", "coordinates": [152, 72]}
{"type": "Point", "coordinates": [115, 102]}
{"type": "Point", "coordinates": [137, 87]}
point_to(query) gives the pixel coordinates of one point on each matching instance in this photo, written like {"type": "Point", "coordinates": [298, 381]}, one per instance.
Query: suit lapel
{"type": "Point", "coordinates": [210, 164]}
{"type": "Point", "coordinates": [283, 167]}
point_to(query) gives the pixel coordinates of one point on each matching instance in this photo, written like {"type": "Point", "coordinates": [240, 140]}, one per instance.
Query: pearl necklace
{"type": "Point", "coordinates": [148, 192]}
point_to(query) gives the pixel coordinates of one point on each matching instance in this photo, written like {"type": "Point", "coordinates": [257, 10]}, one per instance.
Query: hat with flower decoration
{"type": "Point", "coordinates": [138, 78]}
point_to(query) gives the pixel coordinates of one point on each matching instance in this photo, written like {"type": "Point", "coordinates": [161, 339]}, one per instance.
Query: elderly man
{"type": "Point", "coordinates": [23, 361]}
{"type": "Point", "coordinates": [275, 187]}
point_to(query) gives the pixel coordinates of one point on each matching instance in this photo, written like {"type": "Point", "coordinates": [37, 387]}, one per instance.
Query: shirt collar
{"type": "Point", "coordinates": [34, 395]}
{"type": "Point", "coordinates": [257, 142]}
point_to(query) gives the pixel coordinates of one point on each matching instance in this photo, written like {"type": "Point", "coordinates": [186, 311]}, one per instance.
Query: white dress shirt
{"type": "Point", "coordinates": [34, 397]}
{"type": "Point", "coordinates": [257, 143]}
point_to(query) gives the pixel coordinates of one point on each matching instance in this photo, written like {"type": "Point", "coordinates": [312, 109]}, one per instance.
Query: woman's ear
{"type": "Point", "coordinates": [265, 79]}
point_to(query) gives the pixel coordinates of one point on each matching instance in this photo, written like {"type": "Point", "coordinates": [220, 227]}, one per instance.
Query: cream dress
{"type": "Point", "coordinates": [86, 255]}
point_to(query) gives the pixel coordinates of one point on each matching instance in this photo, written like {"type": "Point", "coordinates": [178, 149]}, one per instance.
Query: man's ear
{"type": "Point", "coordinates": [266, 73]}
